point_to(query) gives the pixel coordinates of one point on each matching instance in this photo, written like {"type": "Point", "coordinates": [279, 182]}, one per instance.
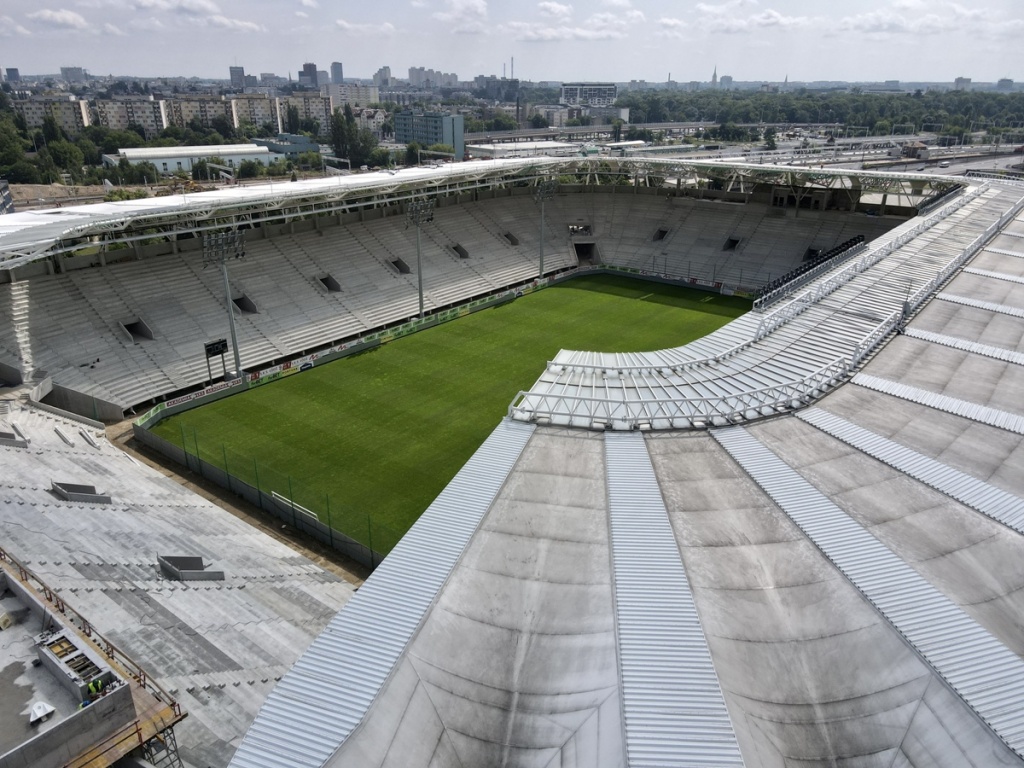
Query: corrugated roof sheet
{"type": "Point", "coordinates": [965, 345]}
{"type": "Point", "coordinates": [326, 694]}
{"type": "Point", "coordinates": [991, 306]}
{"type": "Point", "coordinates": [994, 275]}
{"type": "Point", "coordinates": [973, 411]}
{"type": "Point", "coordinates": [981, 670]}
{"type": "Point", "coordinates": [1004, 251]}
{"type": "Point", "coordinates": [673, 707]}
{"type": "Point", "coordinates": [977, 494]}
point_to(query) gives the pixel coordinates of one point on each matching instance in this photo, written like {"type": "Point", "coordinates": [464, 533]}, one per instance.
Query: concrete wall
{"type": "Point", "coordinates": [93, 409]}
{"type": "Point", "coordinates": [87, 727]}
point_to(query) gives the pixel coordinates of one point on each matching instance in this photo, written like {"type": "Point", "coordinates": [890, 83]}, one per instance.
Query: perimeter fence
{"type": "Point", "coordinates": [344, 527]}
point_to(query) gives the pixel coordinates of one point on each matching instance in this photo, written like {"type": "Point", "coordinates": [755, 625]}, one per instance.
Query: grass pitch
{"type": "Point", "coordinates": [367, 442]}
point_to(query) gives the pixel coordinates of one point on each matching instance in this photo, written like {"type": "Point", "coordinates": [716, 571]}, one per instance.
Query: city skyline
{"type": "Point", "coordinates": [616, 40]}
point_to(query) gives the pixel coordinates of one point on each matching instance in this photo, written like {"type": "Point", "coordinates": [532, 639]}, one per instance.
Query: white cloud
{"type": "Point", "coordinates": [616, 3]}
{"type": "Point", "coordinates": [729, 18]}
{"type": "Point", "coordinates": [541, 33]}
{"type": "Point", "coordinates": [187, 7]}
{"type": "Point", "coordinates": [150, 24]}
{"type": "Point", "coordinates": [9, 28]}
{"type": "Point", "coordinates": [302, 14]}
{"type": "Point", "coordinates": [669, 27]}
{"type": "Point", "coordinates": [387, 28]}
{"type": "Point", "coordinates": [555, 10]}
{"type": "Point", "coordinates": [886, 22]}
{"type": "Point", "coordinates": [110, 29]}
{"type": "Point", "coordinates": [464, 16]}
{"type": "Point", "coordinates": [310, 3]}
{"type": "Point", "coordinates": [60, 18]}
{"type": "Point", "coordinates": [599, 26]}
{"type": "Point", "coordinates": [239, 25]}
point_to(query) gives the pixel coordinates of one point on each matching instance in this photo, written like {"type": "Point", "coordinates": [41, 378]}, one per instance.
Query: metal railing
{"type": "Point", "coordinates": [677, 413]}
{"type": "Point", "coordinates": [111, 651]}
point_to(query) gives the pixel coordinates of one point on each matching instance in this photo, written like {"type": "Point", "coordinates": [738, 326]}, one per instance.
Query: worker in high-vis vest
{"type": "Point", "coordinates": [95, 686]}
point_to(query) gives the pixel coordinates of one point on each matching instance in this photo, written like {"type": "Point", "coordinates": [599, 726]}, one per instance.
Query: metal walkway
{"type": "Point", "coordinates": [672, 702]}
{"type": "Point", "coordinates": [981, 670]}
{"type": "Point", "coordinates": [764, 364]}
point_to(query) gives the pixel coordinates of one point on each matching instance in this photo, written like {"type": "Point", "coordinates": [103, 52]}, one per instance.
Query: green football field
{"type": "Point", "coordinates": [367, 442]}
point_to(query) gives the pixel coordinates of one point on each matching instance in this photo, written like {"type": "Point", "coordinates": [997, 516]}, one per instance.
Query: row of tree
{"type": "Point", "coordinates": [950, 113]}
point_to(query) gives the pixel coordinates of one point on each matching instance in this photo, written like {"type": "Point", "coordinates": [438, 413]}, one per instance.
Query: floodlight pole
{"type": "Point", "coordinates": [217, 248]}
{"type": "Point", "coordinates": [545, 191]}
{"type": "Point", "coordinates": [420, 211]}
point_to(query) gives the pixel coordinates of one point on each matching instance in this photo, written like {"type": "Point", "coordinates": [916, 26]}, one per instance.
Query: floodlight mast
{"type": "Point", "coordinates": [419, 212]}
{"type": "Point", "coordinates": [545, 191]}
{"type": "Point", "coordinates": [218, 247]}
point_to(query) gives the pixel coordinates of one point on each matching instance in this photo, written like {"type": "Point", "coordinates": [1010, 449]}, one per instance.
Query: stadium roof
{"type": "Point", "coordinates": [837, 582]}
{"type": "Point", "coordinates": [139, 154]}
{"type": "Point", "coordinates": [33, 235]}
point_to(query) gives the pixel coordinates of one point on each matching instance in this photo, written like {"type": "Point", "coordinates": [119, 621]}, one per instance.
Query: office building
{"type": "Point", "coordinates": [72, 114]}
{"type": "Point", "coordinates": [318, 108]}
{"type": "Point", "coordinates": [382, 78]}
{"type": "Point", "coordinates": [337, 73]}
{"type": "Point", "coordinates": [431, 78]}
{"type": "Point", "coordinates": [351, 93]}
{"type": "Point", "coordinates": [201, 109]}
{"type": "Point", "coordinates": [256, 109]}
{"type": "Point", "coordinates": [596, 94]}
{"type": "Point", "coordinates": [431, 128]}
{"type": "Point", "coordinates": [73, 74]}
{"type": "Point", "coordinates": [308, 75]}
{"type": "Point", "coordinates": [237, 77]}
{"type": "Point", "coordinates": [13, 75]}
{"type": "Point", "coordinates": [144, 111]}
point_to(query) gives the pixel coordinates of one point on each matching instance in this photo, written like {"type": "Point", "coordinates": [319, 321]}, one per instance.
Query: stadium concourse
{"type": "Point", "coordinates": [795, 541]}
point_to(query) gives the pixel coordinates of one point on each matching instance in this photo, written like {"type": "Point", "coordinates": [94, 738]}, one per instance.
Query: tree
{"type": "Point", "coordinates": [250, 169]}
{"type": "Point", "coordinates": [341, 138]}
{"type": "Point", "coordinates": [12, 148]}
{"type": "Point", "coordinates": [67, 156]}
{"type": "Point", "coordinates": [616, 130]}
{"type": "Point", "coordinates": [446, 149]}
{"type": "Point", "coordinates": [22, 172]}
{"type": "Point", "coordinates": [90, 152]}
{"type": "Point", "coordinates": [292, 119]}
{"type": "Point", "coordinates": [380, 157]}
{"type": "Point", "coordinates": [363, 146]}
{"type": "Point", "coordinates": [223, 126]}
{"type": "Point", "coordinates": [769, 139]}
{"type": "Point", "coordinates": [538, 121]}
{"type": "Point", "coordinates": [310, 126]}
{"type": "Point", "coordinates": [51, 131]}
{"type": "Point", "coordinates": [412, 153]}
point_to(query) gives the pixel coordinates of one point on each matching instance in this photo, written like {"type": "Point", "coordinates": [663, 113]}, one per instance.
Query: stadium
{"type": "Point", "coordinates": [792, 541]}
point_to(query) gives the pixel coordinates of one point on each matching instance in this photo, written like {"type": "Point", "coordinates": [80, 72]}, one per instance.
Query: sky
{"type": "Point", "coordinates": [598, 40]}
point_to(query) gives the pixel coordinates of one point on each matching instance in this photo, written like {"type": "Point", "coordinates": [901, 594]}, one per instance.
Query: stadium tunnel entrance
{"type": "Point", "coordinates": [587, 253]}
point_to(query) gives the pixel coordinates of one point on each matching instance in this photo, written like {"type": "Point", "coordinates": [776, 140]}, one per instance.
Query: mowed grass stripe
{"type": "Point", "coordinates": [375, 437]}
